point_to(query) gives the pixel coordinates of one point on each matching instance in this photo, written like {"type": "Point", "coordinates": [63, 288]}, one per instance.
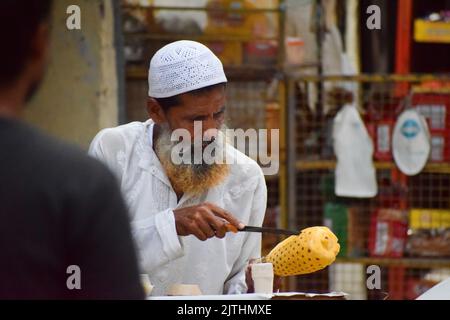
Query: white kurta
{"type": "Point", "coordinates": [216, 265]}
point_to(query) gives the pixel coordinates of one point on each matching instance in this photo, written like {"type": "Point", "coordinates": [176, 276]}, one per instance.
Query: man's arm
{"type": "Point", "coordinates": [251, 248]}
{"type": "Point", "coordinates": [157, 236]}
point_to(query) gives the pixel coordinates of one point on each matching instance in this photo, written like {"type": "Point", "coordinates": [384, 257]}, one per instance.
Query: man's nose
{"type": "Point", "coordinates": [210, 135]}
{"type": "Point", "coordinates": [210, 130]}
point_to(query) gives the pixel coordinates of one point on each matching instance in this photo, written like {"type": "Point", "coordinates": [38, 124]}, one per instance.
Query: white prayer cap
{"type": "Point", "coordinates": [183, 66]}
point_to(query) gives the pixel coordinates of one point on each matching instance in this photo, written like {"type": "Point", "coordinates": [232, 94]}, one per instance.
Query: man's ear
{"type": "Point", "coordinates": [41, 43]}
{"type": "Point", "coordinates": [39, 52]}
{"type": "Point", "coordinates": [155, 111]}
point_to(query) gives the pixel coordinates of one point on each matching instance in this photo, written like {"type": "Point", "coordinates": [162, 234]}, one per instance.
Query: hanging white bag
{"type": "Point", "coordinates": [355, 173]}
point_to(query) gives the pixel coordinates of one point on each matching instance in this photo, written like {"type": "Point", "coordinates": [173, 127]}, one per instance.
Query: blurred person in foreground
{"type": "Point", "coordinates": [58, 207]}
{"type": "Point", "coordinates": [176, 207]}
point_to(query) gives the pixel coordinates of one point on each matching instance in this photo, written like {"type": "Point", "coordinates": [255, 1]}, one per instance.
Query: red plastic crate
{"type": "Point", "coordinates": [388, 233]}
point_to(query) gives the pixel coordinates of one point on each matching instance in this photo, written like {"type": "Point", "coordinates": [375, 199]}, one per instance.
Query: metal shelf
{"type": "Point", "coordinates": [211, 9]}
{"type": "Point", "coordinates": [418, 263]}
{"type": "Point", "coordinates": [376, 78]}
{"type": "Point", "coordinates": [243, 72]}
{"type": "Point", "coordinates": [432, 90]}
{"type": "Point", "coordinates": [331, 165]}
{"type": "Point", "coordinates": [196, 37]}
{"type": "Point", "coordinates": [238, 72]}
{"type": "Point", "coordinates": [264, 71]}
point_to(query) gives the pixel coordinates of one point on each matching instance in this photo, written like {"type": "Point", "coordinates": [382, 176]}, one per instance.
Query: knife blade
{"type": "Point", "coordinates": [269, 230]}
{"type": "Point", "coordinates": [262, 230]}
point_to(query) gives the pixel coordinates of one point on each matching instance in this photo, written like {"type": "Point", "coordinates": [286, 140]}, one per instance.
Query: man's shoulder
{"type": "Point", "coordinates": [245, 181]}
{"type": "Point", "coordinates": [242, 166]}
{"type": "Point", "coordinates": [37, 152]}
{"type": "Point", "coordinates": [65, 158]}
{"type": "Point", "coordinates": [45, 163]}
{"type": "Point", "coordinates": [117, 138]}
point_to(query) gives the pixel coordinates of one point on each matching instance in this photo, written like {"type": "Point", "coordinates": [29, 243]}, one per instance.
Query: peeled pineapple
{"type": "Point", "coordinates": [313, 249]}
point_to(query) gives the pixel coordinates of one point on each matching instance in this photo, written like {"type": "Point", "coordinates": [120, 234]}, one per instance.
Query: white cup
{"type": "Point", "coordinates": [262, 275]}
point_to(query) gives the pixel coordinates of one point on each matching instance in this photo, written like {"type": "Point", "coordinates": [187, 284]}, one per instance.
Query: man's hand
{"type": "Point", "coordinates": [204, 221]}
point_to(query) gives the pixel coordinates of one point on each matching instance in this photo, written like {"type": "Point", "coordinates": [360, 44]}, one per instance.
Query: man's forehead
{"type": "Point", "coordinates": [204, 101]}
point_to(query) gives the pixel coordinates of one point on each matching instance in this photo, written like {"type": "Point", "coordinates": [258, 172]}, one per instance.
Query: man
{"type": "Point", "coordinates": [176, 207]}
{"type": "Point", "coordinates": [64, 230]}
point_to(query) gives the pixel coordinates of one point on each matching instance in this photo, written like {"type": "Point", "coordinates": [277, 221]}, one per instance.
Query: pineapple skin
{"type": "Point", "coordinates": [313, 249]}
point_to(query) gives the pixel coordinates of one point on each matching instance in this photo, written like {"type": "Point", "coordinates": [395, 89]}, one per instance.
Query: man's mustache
{"type": "Point", "coordinates": [204, 144]}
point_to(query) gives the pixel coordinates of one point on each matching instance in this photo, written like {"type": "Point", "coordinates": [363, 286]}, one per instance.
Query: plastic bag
{"type": "Point", "coordinates": [355, 172]}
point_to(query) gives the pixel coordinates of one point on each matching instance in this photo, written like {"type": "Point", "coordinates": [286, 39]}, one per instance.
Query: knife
{"type": "Point", "coordinates": [262, 230]}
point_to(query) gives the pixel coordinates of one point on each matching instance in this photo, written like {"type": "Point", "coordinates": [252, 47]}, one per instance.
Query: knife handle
{"type": "Point", "coordinates": [231, 228]}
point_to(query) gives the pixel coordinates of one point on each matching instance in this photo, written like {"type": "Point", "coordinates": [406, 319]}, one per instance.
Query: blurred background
{"type": "Point", "coordinates": [291, 65]}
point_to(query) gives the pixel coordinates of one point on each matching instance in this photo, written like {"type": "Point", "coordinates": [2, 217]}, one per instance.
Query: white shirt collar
{"type": "Point", "coordinates": [149, 160]}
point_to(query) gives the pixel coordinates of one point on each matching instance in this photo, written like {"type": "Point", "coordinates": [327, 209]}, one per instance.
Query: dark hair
{"type": "Point", "coordinates": [167, 103]}
{"type": "Point", "coordinates": [19, 21]}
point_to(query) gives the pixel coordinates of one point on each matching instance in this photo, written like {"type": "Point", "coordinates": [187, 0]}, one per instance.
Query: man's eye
{"type": "Point", "coordinates": [219, 114]}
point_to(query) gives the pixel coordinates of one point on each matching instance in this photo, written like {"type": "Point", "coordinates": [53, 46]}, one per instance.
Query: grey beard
{"type": "Point", "coordinates": [192, 178]}
{"type": "Point", "coordinates": [164, 147]}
